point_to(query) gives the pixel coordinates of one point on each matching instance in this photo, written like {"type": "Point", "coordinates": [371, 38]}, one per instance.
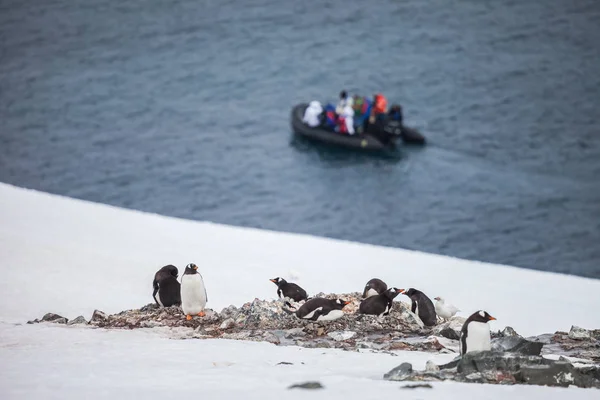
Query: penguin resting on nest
{"type": "Point", "coordinates": [320, 309]}
{"type": "Point", "coordinates": [445, 310]}
{"type": "Point", "coordinates": [422, 306]}
{"type": "Point", "coordinates": [193, 292]}
{"type": "Point", "coordinates": [288, 291]}
{"type": "Point", "coordinates": [475, 333]}
{"type": "Point", "coordinates": [380, 304]}
{"type": "Point", "coordinates": [374, 287]}
{"type": "Point", "coordinates": [167, 290]}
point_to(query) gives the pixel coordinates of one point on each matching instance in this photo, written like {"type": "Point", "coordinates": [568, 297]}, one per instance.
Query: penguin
{"type": "Point", "coordinates": [167, 290]}
{"type": "Point", "coordinates": [374, 287]}
{"type": "Point", "coordinates": [320, 309]}
{"type": "Point", "coordinates": [475, 333]}
{"type": "Point", "coordinates": [193, 292]}
{"type": "Point", "coordinates": [380, 304]}
{"type": "Point", "coordinates": [288, 291]}
{"type": "Point", "coordinates": [445, 310]}
{"type": "Point", "coordinates": [422, 306]}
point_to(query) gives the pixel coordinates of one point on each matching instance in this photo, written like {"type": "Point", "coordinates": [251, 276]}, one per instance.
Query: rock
{"type": "Point", "coordinates": [227, 324]}
{"type": "Point", "coordinates": [341, 335]}
{"type": "Point", "coordinates": [410, 318]}
{"type": "Point", "coordinates": [517, 344]}
{"type": "Point", "coordinates": [229, 312]}
{"type": "Point", "coordinates": [98, 317]}
{"type": "Point", "coordinates": [449, 333]}
{"type": "Point", "coordinates": [480, 361]}
{"type": "Point", "coordinates": [452, 364]}
{"type": "Point", "coordinates": [577, 333]}
{"type": "Point", "coordinates": [294, 332]}
{"type": "Point", "coordinates": [271, 338]}
{"type": "Point", "coordinates": [450, 329]}
{"type": "Point", "coordinates": [307, 385]}
{"type": "Point", "coordinates": [445, 343]}
{"type": "Point", "coordinates": [55, 318]}
{"type": "Point", "coordinates": [417, 386]}
{"type": "Point", "coordinates": [400, 373]}
{"type": "Point", "coordinates": [320, 331]}
{"type": "Point", "coordinates": [508, 331]}
{"type": "Point", "coordinates": [474, 377]}
{"type": "Point", "coordinates": [559, 373]}
{"type": "Point", "coordinates": [430, 366]}
{"type": "Point", "coordinates": [79, 320]}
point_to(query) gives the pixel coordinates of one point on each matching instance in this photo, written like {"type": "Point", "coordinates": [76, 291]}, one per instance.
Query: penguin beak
{"type": "Point", "coordinates": [437, 298]}
{"type": "Point", "coordinates": [402, 291]}
{"type": "Point", "coordinates": [272, 280]}
{"type": "Point", "coordinates": [195, 268]}
{"type": "Point", "coordinates": [346, 303]}
{"type": "Point", "coordinates": [491, 318]}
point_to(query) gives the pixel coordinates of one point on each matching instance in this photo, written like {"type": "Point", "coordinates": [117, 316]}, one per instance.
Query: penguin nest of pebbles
{"type": "Point", "coordinates": [266, 320]}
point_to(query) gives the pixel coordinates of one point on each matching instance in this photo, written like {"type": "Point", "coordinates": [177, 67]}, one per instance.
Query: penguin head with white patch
{"type": "Point", "coordinates": [191, 269]}
{"type": "Point", "coordinates": [278, 281]}
{"type": "Point", "coordinates": [410, 292]}
{"type": "Point", "coordinates": [392, 292]}
{"type": "Point", "coordinates": [482, 316]}
{"type": "Point", "coordinates": [341, 303]}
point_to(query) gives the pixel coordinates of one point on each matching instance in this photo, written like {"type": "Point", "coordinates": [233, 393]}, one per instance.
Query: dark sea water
{"type": "Point", "coordinates": [182, 108]}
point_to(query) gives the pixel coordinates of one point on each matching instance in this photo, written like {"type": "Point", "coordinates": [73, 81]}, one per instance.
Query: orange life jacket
{"type": "Point", "coordinates": [380, 104]}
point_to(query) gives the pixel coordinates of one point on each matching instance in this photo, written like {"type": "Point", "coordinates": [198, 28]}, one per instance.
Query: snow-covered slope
{"type": "Point", "coordinates": [70, 257]}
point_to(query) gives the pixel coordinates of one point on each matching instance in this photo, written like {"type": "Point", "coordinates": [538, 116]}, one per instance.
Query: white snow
{"type": "Point", "coordinates": [70, 257]}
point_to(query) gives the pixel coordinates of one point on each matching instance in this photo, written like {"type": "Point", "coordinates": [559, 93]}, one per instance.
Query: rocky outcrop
{"type": "Point", "coordinates": [503, 368]}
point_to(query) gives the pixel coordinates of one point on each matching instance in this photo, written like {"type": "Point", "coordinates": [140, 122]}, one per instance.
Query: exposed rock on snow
{"type": "Point", "coordinates": [307, 385]}
{"type": "Point", "coordinates": [503, 368]}
{"type": "Point", "coordinates": [266, 321]}
{"type": "Point", "coordinates": [517, 344]}
{"type": "Point", "coordinates": [578, 333]}
{"type": "Point", "coordinates": [77, 321]}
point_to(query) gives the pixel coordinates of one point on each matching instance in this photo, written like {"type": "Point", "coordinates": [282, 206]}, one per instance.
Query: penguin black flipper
{"type": "Point", "coordinates": [463, 340]}
{"type": "Point", "coordinates": [155, 286]}
{"type": "Point", "coordinates": [413, 306]}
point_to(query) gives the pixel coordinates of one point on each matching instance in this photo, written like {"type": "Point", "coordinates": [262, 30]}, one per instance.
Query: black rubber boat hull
{"type": "Point", "coordinates": [362, 142]}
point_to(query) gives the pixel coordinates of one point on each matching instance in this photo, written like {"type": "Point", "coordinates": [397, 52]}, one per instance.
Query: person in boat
{"type": "Point", "coordinates": [312, 114]}
{"type": "Point", "coordinates": [379, 110]}
{"type": "Point", "coordinates": [344, 101]}
{"type": "Point", "coordinates": [330, 118]}
{"type": "Point", "coordinates": [346, 121]}
{"type": "Point", "coordinates": [362, 109]}
{"type": "Point", "coordinates": [395, 113]}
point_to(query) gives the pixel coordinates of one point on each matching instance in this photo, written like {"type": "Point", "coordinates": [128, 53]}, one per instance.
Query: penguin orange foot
{"type": "Point", "coordinates": [188, 317]}
{"type": "Point", "coordinates": [201, 314]}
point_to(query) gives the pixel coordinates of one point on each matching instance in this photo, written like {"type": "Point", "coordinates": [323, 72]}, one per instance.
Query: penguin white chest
{"type": "Point", "coordinates": [478, 337]}
{"type": "Point", "coordinates": [193, 294]}
{"type": "Point", "coordinates": [331, 315]}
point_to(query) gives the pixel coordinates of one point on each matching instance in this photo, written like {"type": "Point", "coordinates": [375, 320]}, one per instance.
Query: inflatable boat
{"type": "Point", "coordinates": [364, 141]}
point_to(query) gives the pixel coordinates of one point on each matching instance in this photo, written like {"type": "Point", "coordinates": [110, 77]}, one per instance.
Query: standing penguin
{"type": "Point", "coordinates": [374, 287]}
{"type": "Point", "coordinates": [288, 291]}
{"type": "Point", "coordinates": [380, 304]}
{"type": "Point", "coordinates": [167, 290]}
{"type": "Point", "coordinates": [193, 292]}
{"type": "Point", "coordinates": [422, 306]}
{"type": "Point", "coordinates": [320, 309]}
{"type": "Point", "coordinates": [475, 333]}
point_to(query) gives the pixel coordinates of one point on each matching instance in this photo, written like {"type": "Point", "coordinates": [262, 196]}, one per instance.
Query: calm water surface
{"type": "Point", "coordinates": [182, 108]}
